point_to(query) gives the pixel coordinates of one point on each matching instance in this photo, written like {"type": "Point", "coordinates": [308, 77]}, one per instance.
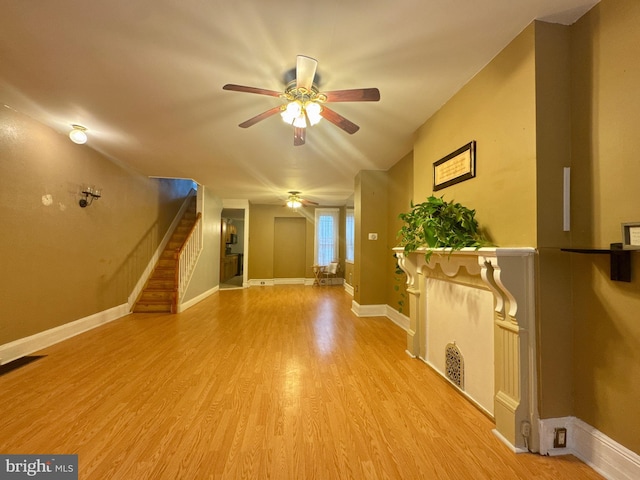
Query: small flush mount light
{"type": "Point", "coordinates": [78, 134]}
{"type": "Point", "coordinates": [90, 194]}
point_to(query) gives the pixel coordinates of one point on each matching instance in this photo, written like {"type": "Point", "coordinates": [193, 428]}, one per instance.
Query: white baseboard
{"type": "Point", "coordinates": [28, 345]}
{"type": "Point", "coordinates": [288, 281]}
{"type": "Point", "coordinates": [190, 303]}
{"type": "Point", "coordinates": [501, 437]}
{"type": "Point", "coordinates": [606, 456]}
{"type": "Point", "coordinates": [398, 318]}
{"type": "Point", "coordinates": [368, 310]}
{"type": "Point", "coordinates": [270, 282]}
{"type": "Point", "coordinates": [348, 288]}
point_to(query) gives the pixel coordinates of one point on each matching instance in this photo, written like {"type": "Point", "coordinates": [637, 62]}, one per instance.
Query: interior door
{"type": "Point", "coordinates": [289, 247]}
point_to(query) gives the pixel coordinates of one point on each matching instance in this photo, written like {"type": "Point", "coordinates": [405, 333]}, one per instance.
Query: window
{"type": "Point", "coordinates": [350, 235]}
{"type": "Point", "coordinates": [326, 241]}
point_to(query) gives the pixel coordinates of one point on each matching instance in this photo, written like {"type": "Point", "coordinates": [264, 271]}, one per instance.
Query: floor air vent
{"type": "Point", "coordinates": [454, 362]}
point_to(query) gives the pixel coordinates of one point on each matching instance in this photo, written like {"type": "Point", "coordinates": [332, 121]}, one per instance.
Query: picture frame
{"type": "Point", "coordinates": [456, 167]}
{"type": "Point", "coordinates": [631, 236]}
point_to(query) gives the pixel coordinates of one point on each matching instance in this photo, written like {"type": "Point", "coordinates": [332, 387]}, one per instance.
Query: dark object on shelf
{"type": "Point", "coordinates": [620, 260]}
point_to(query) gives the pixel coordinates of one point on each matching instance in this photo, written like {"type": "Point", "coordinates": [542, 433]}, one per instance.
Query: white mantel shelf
{"type": "Point", "coordinates": [509, 273]}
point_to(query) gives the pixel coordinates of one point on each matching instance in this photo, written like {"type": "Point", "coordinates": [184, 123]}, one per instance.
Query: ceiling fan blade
{"type": "Point", "coordinates": [305, 71]}
{"type": "Point", "coordinates": [262, 116]}
{"type": "Point", "coordinates": [299, 135]}
{"type": "Point", "coordinates": [355, 95]}
{"type": "Point", "coordinates": [338, 120]}
{"type": "Point", "coordinates": [259, 91]}
{"type": "Point", "coordinates": [308, 202]}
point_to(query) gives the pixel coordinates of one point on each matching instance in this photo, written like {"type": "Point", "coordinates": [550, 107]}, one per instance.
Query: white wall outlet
{"type": "Point", "coordinates": [560, 438]}
{"type": "Point", "coordinates": [373, 236]}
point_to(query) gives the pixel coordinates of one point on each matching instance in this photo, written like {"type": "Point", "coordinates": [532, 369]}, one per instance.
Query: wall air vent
{"type": "Point", "coordinates": [454, 362]}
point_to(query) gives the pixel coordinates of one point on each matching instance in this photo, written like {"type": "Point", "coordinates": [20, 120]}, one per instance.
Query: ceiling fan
{"type": "Point", "coordinates": [294, 200]}
{"type": "Point", "coordinates": [305, 104]}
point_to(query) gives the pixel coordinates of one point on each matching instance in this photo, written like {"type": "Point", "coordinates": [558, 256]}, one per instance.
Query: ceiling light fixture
{"type": "Point", "coordinates": [294, 201]}
{"type": "Point", "coordinates": [78, 134]}
{"type": "Point", "coordinates": [303, 108]}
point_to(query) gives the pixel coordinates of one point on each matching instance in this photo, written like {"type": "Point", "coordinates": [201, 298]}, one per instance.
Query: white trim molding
{"type": "Point", "coordinates": [606, 456]}
{"type": "Point", "coordinates": [368, 310]}
{"type": "Point", "coordinates": [270, 282]}
{"type": "Point", "coordinates": [348, 288]}
{"type": "Point", "coordinates": [190, 303]}
{"type": "Point", "coordinates": [398, 318]}
{"type": "Point", "coordinates": [261, 282]}
{"type": "Point", "coordinates": [28, 345]}
{"type": "Point", "coordinates": [289, 281]}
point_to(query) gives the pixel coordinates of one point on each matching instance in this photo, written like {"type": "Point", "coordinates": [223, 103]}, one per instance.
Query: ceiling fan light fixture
{"type": "Point", "coordinates": [313, 110]}
{"type": "Point", "coordinates": [301, 115]}
{"type": "Point", "coordinates": [305, 103]}
{"type": "Point", "coordinates": [78, 135]}
{"type": "Point", "coordinates": [291, 112]}
{"type": "Point", "coordinates": [294, 203]}
{"type": "Point", "coordinates": [300, 122]}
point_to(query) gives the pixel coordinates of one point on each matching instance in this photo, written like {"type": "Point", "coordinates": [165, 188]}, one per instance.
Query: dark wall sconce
{"type": "Point", "coordinates": [90, 194]}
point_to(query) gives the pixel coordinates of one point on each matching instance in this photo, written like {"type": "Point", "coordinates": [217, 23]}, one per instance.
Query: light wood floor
{"type": "Point", "coordinates": [269, 382]}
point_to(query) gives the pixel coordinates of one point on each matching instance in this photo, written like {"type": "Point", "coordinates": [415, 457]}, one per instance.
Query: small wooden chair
{"type": "Point", "coordinates": [330, 271]}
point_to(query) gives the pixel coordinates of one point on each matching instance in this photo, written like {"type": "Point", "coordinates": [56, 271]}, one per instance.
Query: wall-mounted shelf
{"type": "Point", "coordinates": [620, 260]}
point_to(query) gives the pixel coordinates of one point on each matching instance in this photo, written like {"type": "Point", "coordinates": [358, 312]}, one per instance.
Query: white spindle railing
{"type": "Point", "coordinates": [186, 259]}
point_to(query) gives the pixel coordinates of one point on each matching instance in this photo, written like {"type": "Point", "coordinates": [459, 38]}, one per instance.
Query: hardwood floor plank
{"type": "Point", "coordinates": [276, 382]}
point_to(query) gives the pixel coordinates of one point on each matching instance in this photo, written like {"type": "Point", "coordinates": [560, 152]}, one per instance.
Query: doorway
{"type": "Point", "coordinates": [233, 232]}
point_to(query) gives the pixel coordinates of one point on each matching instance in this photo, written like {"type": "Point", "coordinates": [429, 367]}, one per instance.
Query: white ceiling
{"type": "Point", "coordinates": [145, 77]}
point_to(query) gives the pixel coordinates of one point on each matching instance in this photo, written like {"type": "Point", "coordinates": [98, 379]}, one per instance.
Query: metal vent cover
{"type": "Point", "coordinates": [454, 363]}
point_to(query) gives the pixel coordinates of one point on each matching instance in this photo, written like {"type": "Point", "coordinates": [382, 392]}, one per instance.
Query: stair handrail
{"type": "Point", "coordinates": [186, 258]}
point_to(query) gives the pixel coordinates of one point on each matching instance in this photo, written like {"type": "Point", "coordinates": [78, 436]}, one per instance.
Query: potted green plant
{"type": "Point", "coordinates": [436, 223]}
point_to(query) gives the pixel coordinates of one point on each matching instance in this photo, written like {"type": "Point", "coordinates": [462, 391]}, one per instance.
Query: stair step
{"type": "Point", "coordinates": [154, 307]}
{"type": "Point", "coordinates": [156, 296]}
{"type": "Point", "coordinates": [164, 271]}
{"type": "Point", "coordinates": [161, 284]}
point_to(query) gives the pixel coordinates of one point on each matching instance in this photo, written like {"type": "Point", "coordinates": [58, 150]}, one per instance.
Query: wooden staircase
{"type": "Point", "coordinates": [159, 293]}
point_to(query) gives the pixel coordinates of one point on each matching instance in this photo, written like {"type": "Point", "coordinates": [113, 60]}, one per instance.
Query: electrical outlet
{"type": "Point", "coordinates": [373, 236]}
{"type": "Point", "coordinates": [525, 429]}
{"type": "Point", "coordinates": [560, 438]}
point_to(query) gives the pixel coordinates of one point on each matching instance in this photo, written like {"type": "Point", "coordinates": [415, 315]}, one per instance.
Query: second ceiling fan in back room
{"type": "Point", "coordinates": [294, 200]}
{"type": "Point", "coordinates": [305, 104]}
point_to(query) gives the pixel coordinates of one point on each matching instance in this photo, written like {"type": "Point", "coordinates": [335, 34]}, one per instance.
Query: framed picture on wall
{"type": "Point", "coordinates": [456, 167]}
{"type": "Point", "coordinates": [631, 236]}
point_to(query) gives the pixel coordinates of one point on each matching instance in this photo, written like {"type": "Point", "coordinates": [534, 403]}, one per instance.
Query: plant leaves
{"type": "Point", "coordinates": [436, 223]}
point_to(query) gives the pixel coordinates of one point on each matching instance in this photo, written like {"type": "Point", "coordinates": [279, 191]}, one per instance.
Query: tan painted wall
{"type": "Point", "coordinates": [399, 200]}
{"type": "Point", "coordinates": [497, 109]}
{"type": "Point", "coordinates": [348, 273]}
{"type": "Point", "coordinates": [60, 262]}
{"type": "Point", "coordinates": [371, 256]}
{"type": "Point", "coordinates": [605, 193]}
{"type": "Point", "coordinates": [290, 260]}
{"type": "Point", "coordinates": [553, 148]}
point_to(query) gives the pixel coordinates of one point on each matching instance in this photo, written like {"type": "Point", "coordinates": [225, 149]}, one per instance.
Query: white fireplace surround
{"type": "Point", "coordinates": [509, 274]}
